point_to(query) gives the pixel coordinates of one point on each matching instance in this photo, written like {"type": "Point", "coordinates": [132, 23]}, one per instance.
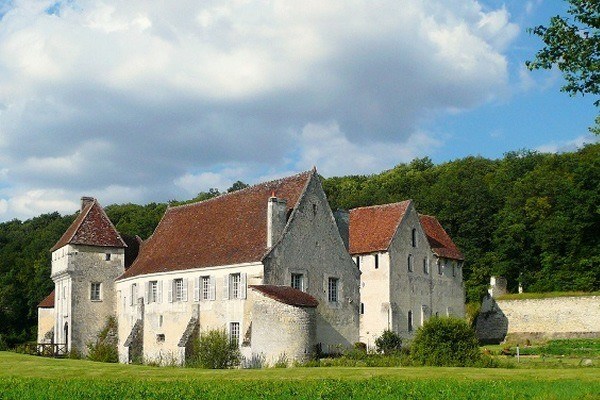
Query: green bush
{"type": "Point", "coordinates": [389, 342]}
{"type": "Point", "coordinates": [214, 350]}
{"type": "Point", "coordinates": [105, 348]}
{"type": "Point", "coordinates": [446, 341]}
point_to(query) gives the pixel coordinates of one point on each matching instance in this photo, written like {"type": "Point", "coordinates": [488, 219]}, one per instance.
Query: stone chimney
{"type": "Point", "coordinates": [85, 201]}
{"type": "Point", "coordinates": [342, 220]}
{"type": "Point", "coordinates": [497, 286]}
{"type": "Point", "coordinates": [276, 219]}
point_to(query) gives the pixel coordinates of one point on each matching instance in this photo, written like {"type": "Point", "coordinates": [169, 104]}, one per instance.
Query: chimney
{"type": "Point", "coordinates": [85, 201]}
{"type": "Point", "coordinates": [276, 219]}
{"type": "Point", "coordinates": [497, 286]}
{"type": "Point", "coordinates": [342, 220]}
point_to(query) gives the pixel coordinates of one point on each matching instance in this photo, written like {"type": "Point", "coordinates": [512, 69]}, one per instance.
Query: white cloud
{"type": "Point", "coordinates": [568, 145]}
{"type": "Point", "coordinates": [156, 99]}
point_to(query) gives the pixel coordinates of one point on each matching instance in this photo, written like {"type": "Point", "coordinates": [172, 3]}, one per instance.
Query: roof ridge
{"type": "Point", "coordinates": [246, 189]}
{"type": "Point", "coordinates": [83, 217]}
{"type": "Point", "coordinates": [381, 205]}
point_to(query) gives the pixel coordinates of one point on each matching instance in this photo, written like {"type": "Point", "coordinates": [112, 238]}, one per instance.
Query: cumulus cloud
{"type": "Point", "coordinates": [158, 99]}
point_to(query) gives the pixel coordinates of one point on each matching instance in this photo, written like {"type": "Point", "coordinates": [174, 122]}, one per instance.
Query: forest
{"type": "Point", "coordinates": [531, 217]}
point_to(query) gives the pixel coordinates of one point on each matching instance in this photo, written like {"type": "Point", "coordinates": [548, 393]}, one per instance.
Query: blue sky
{"type": "Point", "coordinates": [143, 101]}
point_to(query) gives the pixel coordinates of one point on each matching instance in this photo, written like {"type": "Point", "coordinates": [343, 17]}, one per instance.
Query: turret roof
{"type": "Point", "coordinates": [92, 227]}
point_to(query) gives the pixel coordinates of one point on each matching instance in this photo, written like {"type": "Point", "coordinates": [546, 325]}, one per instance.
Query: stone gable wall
{"type": "Point", "coordinates": [312, 245]}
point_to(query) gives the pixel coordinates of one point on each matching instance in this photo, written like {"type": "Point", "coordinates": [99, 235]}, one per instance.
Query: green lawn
{"type": "Point", "coordinates": [30, 377]}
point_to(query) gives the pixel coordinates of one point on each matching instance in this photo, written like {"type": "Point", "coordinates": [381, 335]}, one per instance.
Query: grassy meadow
{"type": "Point", "coordinates": [30, 377]}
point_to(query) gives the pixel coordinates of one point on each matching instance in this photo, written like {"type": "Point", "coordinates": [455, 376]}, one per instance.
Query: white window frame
{"type": "Point", "coordinates": [154, 292]}
{"type": "Point", "coordinates": [297, 281]}
{"type": "Point", "coordinates": [234, 333]}
{"type": "Point", "coordinates": [235, 286]}
{"type": "Point", "coordinates": [133, 293]}
{"type": "Point", "coordinates": [96, 291]}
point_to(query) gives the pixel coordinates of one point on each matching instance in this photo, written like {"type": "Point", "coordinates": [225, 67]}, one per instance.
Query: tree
{"type": "Point", "coordinates": [237, 185]}
{"type": "Point", "coordinates": [574, 47]}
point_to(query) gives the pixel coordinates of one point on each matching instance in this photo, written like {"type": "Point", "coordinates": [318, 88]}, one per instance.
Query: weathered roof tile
{"type": "Point", "coordinates": [438, 238]}
{"type": "Point", "coordinates": [228, 229]}
{"type": "Point", "coordinates": [372, 228]}
{"type": "Point", "coordinates": [287, 295]}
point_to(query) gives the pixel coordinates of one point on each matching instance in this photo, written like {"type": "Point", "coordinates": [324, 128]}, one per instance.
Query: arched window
{"type": "Point", "coordinates": [414, 237]}
{"type": "Point", "coordinates": [410, 263]}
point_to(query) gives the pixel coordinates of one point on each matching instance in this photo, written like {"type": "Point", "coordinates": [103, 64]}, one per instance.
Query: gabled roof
{"type": "Point", "coordinates": [48, 302]}
{"type": "Point", "coordinates": [287, 295]}
{"type": "Point", "coordinates": [440, 242]}
{"type": "Point", "coordinates": [225, 230]}
{"type": "Point", "coordinates": [92, 228]}
{"type": "Point", "coordinates": [372, 228]}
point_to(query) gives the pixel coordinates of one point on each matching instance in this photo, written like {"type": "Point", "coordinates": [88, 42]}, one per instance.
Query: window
{"type": "Point", "coordinates": [234, 286]}
{"type": "Point", "coordinates": [107, 256]}
{"type": "Point", "coordinates": [95, 291]}
{"type": "Point", "coordinates": [160, 338]}
{"type": "Point", "coordinates": [298, 281]}
{"type": "Point", "coordinates": [453, 268]}
{"type": "Point", "coordinates": [426, 266]}
{"type": "Point", "coordinates": [376, 261]}
{"type": "Point", "coordinates": [178, 286]}
{"type": "Point", "coordinates": [234, 333]}
{"type": "Point", "coordinates": [160, 321]}
{"type": "Point", "coordinates": [153, 292]}
{"type": "Point", "coordinates": [133, 294]}
{"type": "Point", "coordinates": [414, 237]}
{"type": "Point", "coordinates": [333, 290]}
{"type": "Point", "coordinates": [439, 265]}
{"type": "Point", "coordinates": [206, 288]}
{"type": "Point", "coordinates": [410, 263]}
{"type": "Point", "coordinates": [410, 321]}
{"type": "Point", "coordinates": [358, 262]}
{"type": "Point", "coordinates": [362, 308]}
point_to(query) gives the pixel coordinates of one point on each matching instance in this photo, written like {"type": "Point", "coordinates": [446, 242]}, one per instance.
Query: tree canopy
{"type": "Point", "coordinates": [572, 44]}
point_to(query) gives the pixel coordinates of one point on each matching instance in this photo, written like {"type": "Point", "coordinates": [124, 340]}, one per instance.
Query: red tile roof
{"type": "Point", "coordinates": [439, 240]}
{"type": "Point", "coordinates": [228, 229]}
{"type": "Point", "coordinates": [287, 295]}
{"type": "Point", "coordinates": [48, 302]}
{"type": "Point", "coordinates": [372, 228]}
{"type": "Point", "coordinates": [91, 227]}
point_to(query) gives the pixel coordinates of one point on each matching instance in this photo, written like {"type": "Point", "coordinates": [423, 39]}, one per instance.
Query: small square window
{"type": "Point", "coordinates": [160, 338]}
{"type": "Point", "coordinates": [107, 256]}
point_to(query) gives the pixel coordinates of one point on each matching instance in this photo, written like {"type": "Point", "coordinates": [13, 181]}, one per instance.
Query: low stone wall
{"type": "Point", "coordinates": [538, 319]}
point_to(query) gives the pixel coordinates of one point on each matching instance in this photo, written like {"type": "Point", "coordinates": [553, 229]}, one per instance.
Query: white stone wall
{"type": "Point", "coordinates": [311, 245]}
{"type": "Point", "coordinates": [374, 296]}
{"type": "Point", "coordinates": [175, 315]}
{"type": "Point", "coordinates": [560, 317]}
{"type": "Point", "coordinates": [46, 321]}
{"type": "Point", "coordinates": [281, 331]}
{"type": "Point", "coordinates": [74, 269]}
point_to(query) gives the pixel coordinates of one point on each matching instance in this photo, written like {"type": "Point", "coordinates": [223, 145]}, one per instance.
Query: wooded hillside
{"type": "Point", "coordinates": [530, 217]}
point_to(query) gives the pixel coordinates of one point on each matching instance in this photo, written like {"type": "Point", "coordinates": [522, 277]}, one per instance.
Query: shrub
{"type": "Point", "coordinates": [389, 342]}
{"type": "Point", "coordinates": [105, 348]}
{"type": "Point", "coordinates": [214, 350]}
{"type": "Point", "coordinates": [257, 361]}
{"type": "Point", "coordinates": [445, 341]}
{"type": "Point", "coordinates": [282, 361]}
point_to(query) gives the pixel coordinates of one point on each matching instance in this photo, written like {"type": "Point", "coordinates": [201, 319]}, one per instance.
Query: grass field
{"type": "Point", "coordinates": [29, 377]}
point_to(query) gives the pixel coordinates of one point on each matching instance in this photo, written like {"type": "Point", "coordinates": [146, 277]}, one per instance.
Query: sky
{"type": "Point", "coordinates": [140, 100]}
